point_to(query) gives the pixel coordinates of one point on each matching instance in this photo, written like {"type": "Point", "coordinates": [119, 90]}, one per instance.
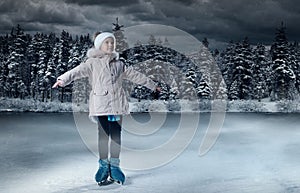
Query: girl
{"type": "Point", "coordinates": [107, 100]}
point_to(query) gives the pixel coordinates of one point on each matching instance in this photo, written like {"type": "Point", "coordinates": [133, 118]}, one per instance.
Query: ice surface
{"type": "Point", "coordinates": [43, 153]}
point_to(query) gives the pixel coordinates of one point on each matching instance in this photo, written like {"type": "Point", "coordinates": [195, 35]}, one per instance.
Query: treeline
{"type": "Point", "coordinates": [257, 72]}
{"type": "Point", "coordinates": [29, 65]}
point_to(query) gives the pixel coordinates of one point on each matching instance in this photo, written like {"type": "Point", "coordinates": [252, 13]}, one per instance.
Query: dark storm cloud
{"type": "Point", "coordinates": [218, 20]}
{"type": "Point", "coordinates": [224, 20]}
{"type": "Point", "coordinates": [258, 19]}
{"type": "Point", "coordinates": [290, 5]}
{"type": "Point", "coordinates": [8, 6]}
{"type": "Point", "coordinates": [52, 14]}
{"type": "Point", "coordinates": [184, 2]}
{"type": "Point", "coordinates": [109, 3]}
{"type": "Point", "coordinates": [38, 15]}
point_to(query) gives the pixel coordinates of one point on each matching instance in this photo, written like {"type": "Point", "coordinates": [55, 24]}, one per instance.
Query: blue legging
{"type": "Point", "coordinates": [109, 129]}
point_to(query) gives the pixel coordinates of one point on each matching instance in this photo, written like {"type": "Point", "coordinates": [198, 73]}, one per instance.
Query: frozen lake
{"type": "Point", "coordinates": [43, 153]}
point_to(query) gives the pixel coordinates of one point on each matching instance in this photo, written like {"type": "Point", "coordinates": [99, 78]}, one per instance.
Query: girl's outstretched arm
{"type": "Point", "coordinates": [80, 71]}
{"type": "Point", "coordinates": [139, 78]}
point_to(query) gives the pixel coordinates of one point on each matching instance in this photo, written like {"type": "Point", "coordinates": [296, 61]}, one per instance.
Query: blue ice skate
{"type": "Point", "coordinates": [103, 171]}
{"type": "Point", "coordinates": [116, 173]}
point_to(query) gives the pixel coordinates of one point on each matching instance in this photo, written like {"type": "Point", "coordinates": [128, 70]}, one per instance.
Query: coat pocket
{"type": "Point", "coordinates": [102, 92]}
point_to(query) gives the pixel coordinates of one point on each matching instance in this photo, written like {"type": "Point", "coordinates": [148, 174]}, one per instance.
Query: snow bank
{"type": "Point", "coordinates": [206, 106]}
{"type": "Point", "coordinates": [286, 106]}
{"type": "Point", "coordinates": [18, 105]}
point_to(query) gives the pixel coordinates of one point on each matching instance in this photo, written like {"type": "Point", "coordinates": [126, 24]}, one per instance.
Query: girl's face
{"type": "Point", "coordinates": [107, 46]}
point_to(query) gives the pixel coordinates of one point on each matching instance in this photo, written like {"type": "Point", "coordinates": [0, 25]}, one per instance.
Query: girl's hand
{"type": "Point", "coordinates": [155, 93]}
{"type": "Point", "coordinates": [58, 83]}
{"type": "Point", "coordinates": [158, 89]}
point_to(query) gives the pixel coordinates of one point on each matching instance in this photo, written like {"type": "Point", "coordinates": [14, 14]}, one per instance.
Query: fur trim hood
{"type": "Point", "coordinates": [96, 53]}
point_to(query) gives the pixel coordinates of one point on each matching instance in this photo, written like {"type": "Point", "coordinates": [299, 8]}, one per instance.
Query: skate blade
{"type": "Point", "coordinates": [118, 182]}
{"type": "Point", "coordinates": [105, 183]}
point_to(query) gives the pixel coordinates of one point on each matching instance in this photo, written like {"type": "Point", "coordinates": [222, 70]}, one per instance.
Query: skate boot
{"type": "Point", "coordinates": [116, 173]}
{"type": "Point", "coordinates": [103, 171]}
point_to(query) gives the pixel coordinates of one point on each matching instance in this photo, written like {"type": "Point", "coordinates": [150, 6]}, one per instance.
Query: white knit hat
{"type": "Point", "coordinates": [101, 37]}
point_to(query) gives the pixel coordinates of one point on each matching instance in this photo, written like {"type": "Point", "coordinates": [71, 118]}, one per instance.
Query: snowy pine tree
{"type": "Point", "coordinates": [85, 43]}
{"type": "Point", "coordinates": [205, 42]}
{"type": "Point", "coordinates": [62, 67]}
{"type": "Point", "coordinates": [203, 89]}
{"type": "Point", "coordinates": [208, 68]}
{"type": "Point", "coordinates": [3, 67]}
{"type": "Point", "coordinates": [50, 76]}
{"type": "Point", "coordinates": [261, 72]}
{"type": "Point", "coordinates": [294, 58]}
{"type": "Point", "coordinates": [162, 73]}
{"type": "Point", "coordinates": [138, 43]}
{"type": "Point", "coordinates": [187, 90]}
{"type": "Point", "coordinates": [75, 54]}
{"type": "Point", "coordinates": [226, 63]}
{"type": "Point", "coordinates": [216, 53]}
{"type": "Point", "coordinates": [140, 92]}
{"type": "Point", "coordinates": [44, 54]}
{"type": "Point", "coordinates": [166, 42]}
{"type": "Point", "coordinates": [2, 75]}
{"type": "Point", "coordinates": [15, 85]}
{"type": "Point", "coordinates": [152, 40]}
{"type": "Point", "coordinates": [155, 71]}
{"type": "Point", "coordinates": [84, 83]}
{"type": "Point", "coordinates": [241, 86]}
{"type": "Point", "coordinates": [41, 73]}
{"type": "Point", "coordinates": [121, 43]}
{"type": "Point", "coordinates": [33, 59]}
{"type": "Point", "coordinates": [297, 52]}
{"type": "Point", "coordinates": [76, 57]}
{"type": "Point", "coordinates": [284, 79]}
{"type": "Point", "coordinates": [159, 42]}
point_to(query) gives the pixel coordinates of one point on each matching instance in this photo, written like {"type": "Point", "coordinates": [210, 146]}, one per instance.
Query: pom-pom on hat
{"type": "Point", "coordinates": [101, 37]}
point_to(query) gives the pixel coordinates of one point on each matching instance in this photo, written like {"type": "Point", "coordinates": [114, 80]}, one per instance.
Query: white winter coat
{"type": "Point", "coordinates": [105, 74]}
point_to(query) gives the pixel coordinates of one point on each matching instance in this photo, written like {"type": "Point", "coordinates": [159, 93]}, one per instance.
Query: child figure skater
{"type": "Point", "coordinates": [107, 100]}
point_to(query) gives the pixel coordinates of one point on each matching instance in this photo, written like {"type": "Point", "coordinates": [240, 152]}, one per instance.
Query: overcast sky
{"type": "Point", "coordinates": [218, 20]}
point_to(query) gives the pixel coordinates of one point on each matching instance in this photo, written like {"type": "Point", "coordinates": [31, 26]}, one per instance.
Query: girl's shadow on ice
{"type": "Point", "coordinates": [93, 187]}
